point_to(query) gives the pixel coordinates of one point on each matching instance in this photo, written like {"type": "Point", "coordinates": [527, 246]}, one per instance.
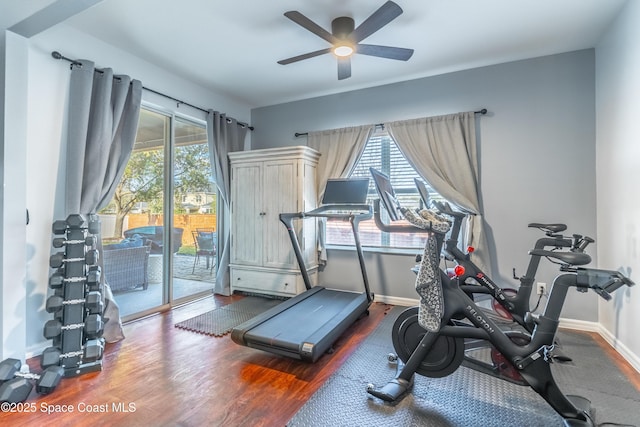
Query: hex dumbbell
{"type": "Point", "coordinates": [59, 227]}
{"type": "Point", "coordinates": [91, 351]}
{"type": "Point", "coordinates": [94, 224]}
{"type": "Point", "coordinates": [16, 385]}
{"type": "Point", "coordinates": [93, 278]}
{"type": "Point", "coordinates": [75, 221]}
{"type": "Point", "coordinates": [58, 259]}
{"type": "Point", "coordinates": [92, 326]}
{"type": "Point", "coordinates": [57, 279]}
{"type": "Point", "coordinates": [92, 302]}
{"type": "Point", "coordinates": [59, 242]}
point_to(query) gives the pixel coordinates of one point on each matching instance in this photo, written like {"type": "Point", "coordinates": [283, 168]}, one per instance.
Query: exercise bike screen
{"type": "Point", "coordinates": [386, 193]}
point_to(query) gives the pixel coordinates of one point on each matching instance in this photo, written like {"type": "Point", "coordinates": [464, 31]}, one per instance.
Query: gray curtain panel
{"type": "Point", "coordinates": [102, 125]}
{"type": "Point", "coordinates": [443, 151]}
{"type": "Point", "coordinates": [224, 136]}
{"type": "Point", "coordinates": [103, 120]}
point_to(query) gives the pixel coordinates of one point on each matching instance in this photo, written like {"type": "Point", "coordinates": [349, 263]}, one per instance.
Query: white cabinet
{"type": "Point", "coordinates": [265, 183]}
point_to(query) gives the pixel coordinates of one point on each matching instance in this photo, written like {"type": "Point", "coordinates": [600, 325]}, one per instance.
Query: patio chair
{"type": "Point", "coordinates": [205, 242]}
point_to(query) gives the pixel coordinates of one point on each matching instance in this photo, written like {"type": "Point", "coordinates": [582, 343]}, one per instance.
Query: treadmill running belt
{"type": "Point", "coordinates": [310, 326]}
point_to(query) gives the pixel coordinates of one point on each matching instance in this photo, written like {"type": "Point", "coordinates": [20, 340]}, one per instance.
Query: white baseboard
{"type": "Point", "coordinates": [580, 325]}
{"type": "Point", "coordinates": [404, 302]}
{"type": "Point", "coordinates": [622, 349]}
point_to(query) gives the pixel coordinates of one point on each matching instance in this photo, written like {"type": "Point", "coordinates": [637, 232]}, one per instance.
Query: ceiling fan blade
{"type": "Point", "coordinates": [308, 24]}
{"type": "Point", "coordinates": [388, 52]}
{"type": "Point", "coordinates": [344, 68]}
{"type": "Point", "coordinates": [381, 17]}
{"type": "Point", "coordinates": [304, 56]}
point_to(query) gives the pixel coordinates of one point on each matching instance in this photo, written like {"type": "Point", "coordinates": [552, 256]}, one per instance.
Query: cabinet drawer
{"type": "Point", "coordinates": [268, 282]}
{"type": "Point", "coordinates": [261, 281]}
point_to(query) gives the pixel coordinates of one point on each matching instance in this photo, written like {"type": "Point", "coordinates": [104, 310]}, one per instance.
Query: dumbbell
{"type": "Point", "coordinates": [93, 278]}
{"type": "Point", "coordinates": [94, 224]}
{"type": "Point", "coordinates": [59, 242]}
{"type": "Point", "coordinates": [74, 221]}
{"type": "Point", "coordinates": [91, 351]}
{"type": "Point", "coordinates": [58, 259]}
{"type": "Point", "coordinates": [57, 279]}
{"type": "Point", "coordinates": [16, 385]}
{"type": "Point", "coordinates": [92, 325]}
{"type": "Point", "coordinates": [92, 302]}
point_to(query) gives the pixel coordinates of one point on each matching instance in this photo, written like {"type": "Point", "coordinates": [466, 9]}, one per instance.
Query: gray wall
{"type": "Point", "coordinates": [536, 146]}
{"type": "Point", "coordinates": [618, 90]}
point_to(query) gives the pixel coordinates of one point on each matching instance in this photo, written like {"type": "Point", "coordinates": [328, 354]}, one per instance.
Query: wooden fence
{"type": "Point", "coordinates": [188, 222]}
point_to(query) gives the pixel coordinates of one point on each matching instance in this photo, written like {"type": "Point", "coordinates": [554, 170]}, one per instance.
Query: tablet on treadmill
{"type": "Point", "coordinates": [351, 191]}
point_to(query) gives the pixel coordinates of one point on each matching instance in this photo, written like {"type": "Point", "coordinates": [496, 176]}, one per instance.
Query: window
{"type": "Point", "coordinates": [152, 196]}
{"type": "Point", "coordinates": [382, 153]}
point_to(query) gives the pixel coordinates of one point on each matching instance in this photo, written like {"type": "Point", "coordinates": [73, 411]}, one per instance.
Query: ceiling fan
{"type": "Point", "coordinates": [345, 38]}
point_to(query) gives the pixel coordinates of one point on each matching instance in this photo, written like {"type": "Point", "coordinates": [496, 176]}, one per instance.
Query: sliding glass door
{"type": "Point", "coordinates": [194, 211]}
{"type": "Point", "coordinates": [161, 250]}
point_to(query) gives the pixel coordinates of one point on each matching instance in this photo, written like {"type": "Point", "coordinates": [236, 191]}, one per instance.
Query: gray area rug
{"type": "Point", "coordinates": [467, 397]}
{"type": "Point", "coordinates": [221, 321]}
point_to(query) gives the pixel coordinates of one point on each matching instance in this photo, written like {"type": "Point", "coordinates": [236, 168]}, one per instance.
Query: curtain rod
{"type": "Point", "coordinates": [381, 125]}
{"type": "Point", "coordinates": [58, 55]}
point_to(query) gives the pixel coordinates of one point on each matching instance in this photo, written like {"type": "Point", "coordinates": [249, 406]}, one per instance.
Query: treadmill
{"type": "Point", "coordinates": [306, 326]}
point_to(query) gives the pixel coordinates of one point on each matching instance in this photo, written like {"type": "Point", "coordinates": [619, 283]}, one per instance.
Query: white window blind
{"type": "Point", "coordinates": [382, 153]}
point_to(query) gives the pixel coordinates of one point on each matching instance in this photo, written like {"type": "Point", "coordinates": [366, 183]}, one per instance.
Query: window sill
{"type": "Point", "coordinates": [374, 250]}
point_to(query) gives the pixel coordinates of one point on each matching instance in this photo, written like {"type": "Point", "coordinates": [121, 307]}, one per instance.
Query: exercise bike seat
{"type": "Point", "coordinates": [549, 228]}
{"type": "Point", "coordinates": [570, 258]}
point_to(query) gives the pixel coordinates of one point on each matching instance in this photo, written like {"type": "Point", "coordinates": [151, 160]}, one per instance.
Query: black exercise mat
{"type": "Point", "coordinates": [467, 397]}
{"type": "Point", "coordinates": [221, 321]}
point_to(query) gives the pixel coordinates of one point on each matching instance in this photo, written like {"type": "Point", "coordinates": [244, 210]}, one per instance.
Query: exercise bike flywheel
{"type": "Point", "coordinates": [444, 357]}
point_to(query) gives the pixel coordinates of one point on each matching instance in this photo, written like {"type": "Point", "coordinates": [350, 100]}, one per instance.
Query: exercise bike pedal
{"type": "Point", "coordinates": [562, 358]}
{"type": "Point", "coordinates": [583, 404]}
{"type": "Point", "coordinates": [392, 391]}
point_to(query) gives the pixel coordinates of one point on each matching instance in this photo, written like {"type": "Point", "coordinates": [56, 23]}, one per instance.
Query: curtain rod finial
{"type": "Point", "coordinates": [56, 54]}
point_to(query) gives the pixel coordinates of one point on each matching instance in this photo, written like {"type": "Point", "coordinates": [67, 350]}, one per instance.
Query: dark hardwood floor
{"type": "Point", "coordinates": [164, 376]}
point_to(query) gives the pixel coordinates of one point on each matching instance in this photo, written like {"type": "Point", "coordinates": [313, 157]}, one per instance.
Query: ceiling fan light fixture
{"type": "Point", "coordinates": [343, 50]}
{"type": "Point", "coordinates": [345, 38]}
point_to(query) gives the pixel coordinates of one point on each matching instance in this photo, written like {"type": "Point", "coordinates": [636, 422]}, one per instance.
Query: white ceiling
{"type": "Point", "coordinates": [232, 46]}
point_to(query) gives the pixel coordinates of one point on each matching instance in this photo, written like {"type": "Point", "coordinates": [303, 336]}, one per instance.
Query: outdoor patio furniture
{"type": "Point", "coordinates": [154, 233]}
{"type": "Point", "coordinates": [205, 243]}
{"type": "Point", "coordinates": [126, 268]}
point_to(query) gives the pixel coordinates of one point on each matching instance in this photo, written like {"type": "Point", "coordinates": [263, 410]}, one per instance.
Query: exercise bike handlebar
{"type": "Point", "coordinates": [602, 282]}
{"type": "Point", "coordinates": [393, 228]}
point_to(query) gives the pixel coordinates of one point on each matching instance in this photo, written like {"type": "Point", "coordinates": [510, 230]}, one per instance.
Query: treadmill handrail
{"type": "Point", "coordinates": [357, 213]}
{"type": "Point", "coordinates": [363, 211]}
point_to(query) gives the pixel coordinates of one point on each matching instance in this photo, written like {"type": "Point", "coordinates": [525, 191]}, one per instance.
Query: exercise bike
{"type": "Point", "coordinates": [437, 350]}
{"type": "Point", "coordinates": [508, 303]}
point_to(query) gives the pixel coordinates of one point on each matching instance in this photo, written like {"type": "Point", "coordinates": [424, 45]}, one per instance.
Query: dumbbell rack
{"type": "Point", "coordinates": [78, 346]}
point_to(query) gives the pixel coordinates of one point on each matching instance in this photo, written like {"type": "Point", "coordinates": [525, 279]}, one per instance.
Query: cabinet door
{"type": "Point", "coordinates": [246, 210]}
{"type": "Point", "coordinates": [280, 195]}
